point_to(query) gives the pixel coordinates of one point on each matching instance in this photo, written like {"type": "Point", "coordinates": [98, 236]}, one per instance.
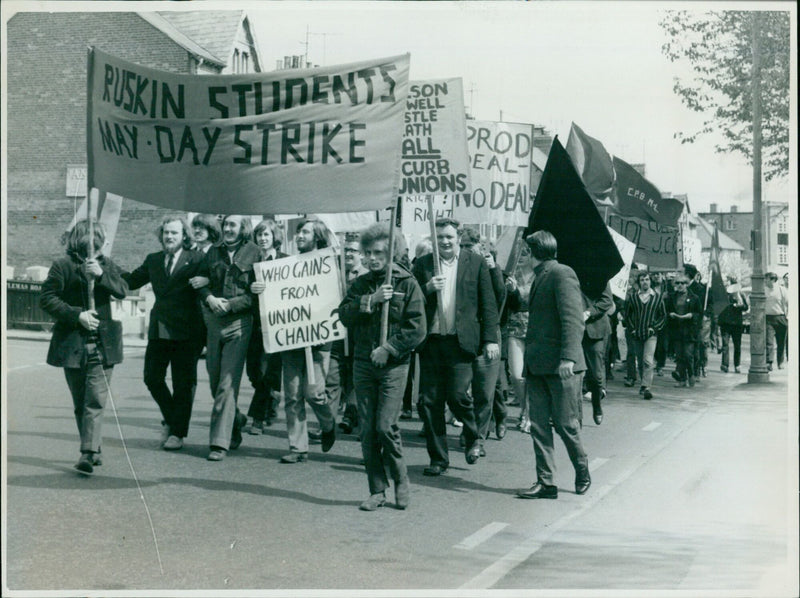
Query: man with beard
{"type": "Point", "coordinates": [228, 313]}
{"type": "Point", "coordinates": [462, 292]}
{"type": "Point", "coordinates": [311, 234]}
{"type": "Point", "coordinates": [172, 339]}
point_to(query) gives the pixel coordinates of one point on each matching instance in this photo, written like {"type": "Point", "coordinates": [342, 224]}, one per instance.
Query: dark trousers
{"type": "Point", "coordinates": [484, 381]}
{"type": "Point", "coordinates": [661, 348]}
{"type": "Point", "coordinates": [684, 357]}
{"type": "Point", "coordinates": [445, 377]}
{"type": "Point", "coordinates": [181, 358]}
{"type": "Point", "coordinates": [413, 373]}
{"type": "Point", "coordinates": [264, 373]}
{"type": "Point", "coordinates": [594, 351]}
{"type": "Point", "coordinates": [379, 397]}
{"type": "Point", "coordinates": [551, 398]}
{"type": "Point", "coordinates": [499, 409]}
{"type": "Point", "coordinates": [731, 333]}
{"type": "Point", "coordinates": [776, 338]}
{"type": "Point", "coordinates": [88, 386]}
{"type": "Point", "coordinates": [630, 359]}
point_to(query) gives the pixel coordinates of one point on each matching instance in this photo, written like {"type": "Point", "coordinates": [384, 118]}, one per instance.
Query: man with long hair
{"type": "Point", "coordinates": [227, 305]}
{"type": "Point", "coordinates": [85, 342]}
{"type": "Point", "coordinates": [380, 369]}
{"type": "Point", "coordinates": [172, 336]}
{"type": "Point", "coordinates": [311, 234]}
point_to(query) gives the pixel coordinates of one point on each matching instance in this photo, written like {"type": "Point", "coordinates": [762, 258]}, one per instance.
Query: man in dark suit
{"type": "Point", "coordinates": [595, 339]}
{"type": "Point", "coordinates": [175, 319]}
{"type": "Point", "coordinates": [554, 366]}
{"type": "Point", "coordinates": [469, 329]}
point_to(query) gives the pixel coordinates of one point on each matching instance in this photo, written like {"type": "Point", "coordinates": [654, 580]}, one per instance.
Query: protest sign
{"type": "Point", "coordinates": [636, 196]}
{"type": "Point", "coordinates": [298, 306]}
{"type": "Point", "coordinates": [656, 244]}
{"type": "Point", "coordinates": [692, 250]}
{"type": "Point", "coordinates": [627, 249]}
{"type": "Point", "coordinates": [349, 222]}
{"type": "Point", "coordinates": [434, 157]}
{"type": "Point", "coordinates": [293, 141]}
{"type": "Point", "coordinates": [500, 161]}
{"type": "Point", "coordinates": [414, 219]}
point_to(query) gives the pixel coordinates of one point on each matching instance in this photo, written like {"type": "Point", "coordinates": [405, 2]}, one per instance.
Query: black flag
{"type": "Point", "coordinates": [564, 208]}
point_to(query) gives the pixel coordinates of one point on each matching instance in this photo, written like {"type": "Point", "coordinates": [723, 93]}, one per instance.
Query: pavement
{"type": "Point", "coordinates": [695, 490]}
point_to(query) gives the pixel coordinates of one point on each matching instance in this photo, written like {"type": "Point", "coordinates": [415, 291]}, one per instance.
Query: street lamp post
{"type": "Point", "coordinates": [758, 364]}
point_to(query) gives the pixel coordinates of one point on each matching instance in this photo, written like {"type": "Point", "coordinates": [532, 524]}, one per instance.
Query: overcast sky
{"type": "Point", "coordinates": [598, 64]}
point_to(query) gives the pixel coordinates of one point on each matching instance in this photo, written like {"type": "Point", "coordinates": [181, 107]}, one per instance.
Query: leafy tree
{"type": "Point", "coordinates": [718, 47]}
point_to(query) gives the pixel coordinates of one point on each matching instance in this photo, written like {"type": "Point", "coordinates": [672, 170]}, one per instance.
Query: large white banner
{"type": "Point", "coordinates": [298, 306]}
{"type": "Point", "coordinates": [500, 158]}
{"type": "Point", "coordinates": [292, 141]}
{"type": "Point", "coordinates": [627, 249]}
{"type": "Point", "coordinates": [435, 158]}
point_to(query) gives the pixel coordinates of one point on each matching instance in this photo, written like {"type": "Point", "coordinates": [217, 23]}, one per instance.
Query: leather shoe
{"type": "Point", "coordinates": [539, 491]}
{"type": "Point", "coordinates": [402, 492]}
{"type": "Point", "coordinates": [500, 430]}
{"type": "Point", "coordinates": [434, 470]}
{"type": "Point", "coordinates": [328, 438]}
{"type": "Point", "coordinates": [462, 441]}
{"type": "Point", "coordinates": [295, 458]}
{"type": "Point", "coordinates": [239, 422]}
{"type": "Point", "coordinates": [473, 454]}
{"type": "Point", "coordinates": [84, 464]}
{"type": "Point", "coordinates": [597, 410]}
{"type": "Point", "coordinates": [482, 451]}
{"type": "Point", "coordinates": [582, 483]}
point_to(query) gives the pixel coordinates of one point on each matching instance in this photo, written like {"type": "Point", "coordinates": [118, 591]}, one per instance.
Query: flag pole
{"type": "Point", "coordinates": [90, 188]}
{"type": "Point", "coordinates": [436, 268]}
{"type": "Point", "coordinates": [389, 265]}
{"type": "Point", "coordinates": [343, 288]}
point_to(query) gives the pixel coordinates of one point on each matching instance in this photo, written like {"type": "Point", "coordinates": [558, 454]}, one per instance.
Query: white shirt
{"type": "Point", "coordinates": [448, 269]}
{"type": "Point", "coordinates": [175, 257]}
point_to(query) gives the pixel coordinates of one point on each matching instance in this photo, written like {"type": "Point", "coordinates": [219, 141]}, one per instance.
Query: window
{"type": "Point", "coordinates": [235, 65]}
{"type": "Point", "coordinates": [783, 255]}
{"type": "Point", "coordinates": [782, 226]}
{"type": "Point", "coordinates": [730, 224]}
{"type": "Point", "coordinates": [245, 61]}
{"type": "Point", "coordinates": [783, 238]}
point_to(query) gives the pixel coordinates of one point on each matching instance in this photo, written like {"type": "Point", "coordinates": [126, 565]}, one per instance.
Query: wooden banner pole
{"type": "Point", "coordinates": [389, 264]}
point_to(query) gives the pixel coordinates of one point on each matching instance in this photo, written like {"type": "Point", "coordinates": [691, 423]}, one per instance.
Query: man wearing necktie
{"type": "Point", "coordinates": [174, 321]}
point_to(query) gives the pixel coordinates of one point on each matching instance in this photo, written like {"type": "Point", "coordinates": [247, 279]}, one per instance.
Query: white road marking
{"type": "Point", "coordinates": [25, 367]}
{"type": "Point", "coordinates": [597, 462]}
{"type": "Point", "coordinates": [651, 426]}
{"type": "Point", "coordinates": [483, 534]}
{"type": "Point", "coordinates": [505, 564]}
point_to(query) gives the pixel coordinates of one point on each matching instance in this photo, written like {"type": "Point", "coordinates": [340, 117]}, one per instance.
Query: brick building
{"type": "Point", "coordinates": [739, 225]}
{"type": "Point", "coordinates": [47, 111]}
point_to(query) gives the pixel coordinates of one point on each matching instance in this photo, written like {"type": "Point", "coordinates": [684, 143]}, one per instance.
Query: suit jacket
{"type": "Point", "coordinates": [476, 304]}
{"type": "Point", "coordinates": [597, 324]}
{"type": "Point", "coordinates": [65, 295]}
{"type": "Point", "coordinates": [176, 308]}
{"type": "Point", "coordinates": [555, 320]}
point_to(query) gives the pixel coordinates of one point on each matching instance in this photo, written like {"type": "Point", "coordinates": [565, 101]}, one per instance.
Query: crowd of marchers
{"type": "Point", "coordinates": [472, 338]}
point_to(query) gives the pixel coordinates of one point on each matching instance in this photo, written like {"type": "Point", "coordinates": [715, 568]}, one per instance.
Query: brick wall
{"type": "Point", "coordinates": [47, 124]}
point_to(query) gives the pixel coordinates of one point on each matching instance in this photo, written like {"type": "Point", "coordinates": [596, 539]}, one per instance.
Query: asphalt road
{"type": "Point", "coordinates": [691, 491]}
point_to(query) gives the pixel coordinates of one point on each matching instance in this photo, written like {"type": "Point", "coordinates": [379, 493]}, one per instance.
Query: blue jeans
{"type": "Point", "coordinates": [645, 350]}
{"type": "Point", "coordinates": [225, 358]}
{"type": "Point", "coordinates": [297, 391]}
{"type": "Point", "coordinates": [89, 388]}
{"type": "Point", "coordinates": [379, 397]}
